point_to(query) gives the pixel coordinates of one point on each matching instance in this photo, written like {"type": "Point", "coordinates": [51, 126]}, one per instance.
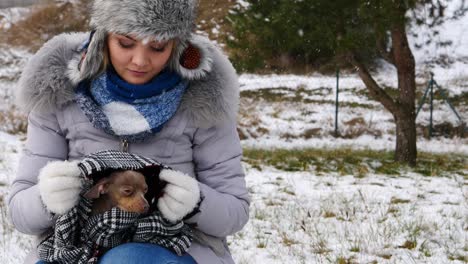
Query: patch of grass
{"type": "Point", "coordinates": [344, 260]}
{"type": "Point", "coordinates": [389, 167]}
{"type": "Point", "coordinates": [319, 91]}
{"type": "Point", "coordinates": [450, 203]}
{"type": "Point", "coordinates": [212, 14]}
{"type": "Point", "coordinates": [287, 241]}
{"type": "Point", "coordinates": [13, 121]}
{"type": "Point", "coordinates": [262, 242]}
{"type": "Point", "coordinates": [328, 214]}
{"type": "Point", "coordinates": [395, 200]}
{"type": "Point", "coordinates": [311, 133]}
{"type": "Point", "coordinates": [385, 256]}
{"type": "Point", "coordinates": [458, 257]}
{"type": "Point", "coordinates": [359, 163]}
{"type": "Point", "coordinates": [393, 210]}
{"type": "Point", "coordinates": [409, 244]}
{"type": "Point", "coordinates": [356, 127]}
{"type": "Point", "coordinates": [433, 165]}
{"type": "Point", "coordinates": [260, 215]}
{"type": "Point", "coordinates": [287, 160]}
{"type": "Point", "coordinates": [458, 100]}
{"type": "Point", "coordinates": [425, 250]}
{"type": "Point", "coordinates": [320, 247]}
{"type": "Point", "coordinates": [445, 129]}
{"type": "Point", "coordinates": [273, 203]}
{"type": "Point", "coordinates": [299, 95]}
{"type": "Point", "coordinates": [391, 91]}
{"type": "Point", "coordinates": [455, 100]}
{"type": "Point", "coordinates": [250, 126]}
{"type": "Point", "coordinates": [355, 248]}
{"type": "Point", "coordinates": [273, 95]}
{"type": "Point", "coordinates": [362, 171]}
{"type": "Point", "coordinates": [288, 191]}
{"type": "Point", "coordinates": [355, 105]}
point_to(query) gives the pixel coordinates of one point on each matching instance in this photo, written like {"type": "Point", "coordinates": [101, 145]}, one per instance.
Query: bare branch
{"type": "Point", "coordinates": [375, 91]}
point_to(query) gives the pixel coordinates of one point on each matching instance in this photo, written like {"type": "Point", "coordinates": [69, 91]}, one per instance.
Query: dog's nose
{"type": "Point", "coordinates": [145, 206]}
{"type": "Point", "coordinates": [145, 209]}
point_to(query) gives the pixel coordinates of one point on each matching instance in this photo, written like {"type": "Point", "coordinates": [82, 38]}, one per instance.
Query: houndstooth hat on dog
{"type": "Point", "coordinates": [160, 20]}
{"type": "Point", "coordinates": [100, 164]}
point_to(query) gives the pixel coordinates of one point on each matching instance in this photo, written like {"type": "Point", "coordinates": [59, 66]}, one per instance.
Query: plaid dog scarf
{"type": "Point", "coordinates": [81, 238]}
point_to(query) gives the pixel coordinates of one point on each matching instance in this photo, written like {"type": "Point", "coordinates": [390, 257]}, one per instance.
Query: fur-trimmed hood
{"type": "Point", "coordinates": [50, 77]}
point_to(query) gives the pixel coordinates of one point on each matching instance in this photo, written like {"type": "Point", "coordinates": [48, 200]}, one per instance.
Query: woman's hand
{"type": "Point", "coordinates": [60, 184]}
{"type": "Point", "coordinates": [180, 196]}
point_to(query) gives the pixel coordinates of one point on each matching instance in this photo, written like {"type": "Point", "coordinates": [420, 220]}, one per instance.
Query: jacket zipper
{"type": "Point", "coordinates": [124, 145]}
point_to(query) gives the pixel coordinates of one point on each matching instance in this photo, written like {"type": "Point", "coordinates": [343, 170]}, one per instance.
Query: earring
{"type": "Point", "coordinates": [191, 58]}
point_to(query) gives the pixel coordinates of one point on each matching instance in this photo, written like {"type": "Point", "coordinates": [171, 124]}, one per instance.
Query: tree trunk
{"type": "Point", "coordinates": [402, 108]}
{"type": "Point", "coordinates": [405, 151]}
{"type": "Point", "coordinates": [405, 116]}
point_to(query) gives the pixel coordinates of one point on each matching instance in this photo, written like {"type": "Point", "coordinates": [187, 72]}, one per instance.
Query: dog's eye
{"type": "Point", "coordinates": [127, 192]}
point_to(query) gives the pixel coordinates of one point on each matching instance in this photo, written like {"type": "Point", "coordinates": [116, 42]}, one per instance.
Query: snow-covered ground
{"type": "Point", "coordinates": [9, 16]}
{"type": "Point", "coordinates": [303, 217]}
{"type": "Point", "coordinates": [279, 111]}
{"type": "Point", "coordinates": [13, 245]}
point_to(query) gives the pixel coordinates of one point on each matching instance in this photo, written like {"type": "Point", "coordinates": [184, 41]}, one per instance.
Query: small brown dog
{"type": "Point", "coordinates": [124, 189]}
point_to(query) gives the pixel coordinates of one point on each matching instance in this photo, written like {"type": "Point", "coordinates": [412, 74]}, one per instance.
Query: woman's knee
{"type": "Point", "coordinates": [142, 253]}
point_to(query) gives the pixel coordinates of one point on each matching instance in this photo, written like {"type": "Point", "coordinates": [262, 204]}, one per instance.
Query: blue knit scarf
{"type": "Point", "coordinates": [130, 112]}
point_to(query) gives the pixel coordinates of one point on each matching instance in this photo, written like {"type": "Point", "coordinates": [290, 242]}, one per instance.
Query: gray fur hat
{"type": "Point", "coordinates": [147, 19]}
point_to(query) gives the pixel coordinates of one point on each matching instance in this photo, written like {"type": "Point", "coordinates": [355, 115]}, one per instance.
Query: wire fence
{"type": "Point", "coordinates": [431, 86]}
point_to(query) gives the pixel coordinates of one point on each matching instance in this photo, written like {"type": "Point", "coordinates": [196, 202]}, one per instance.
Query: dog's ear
{"type": "Point", "coordinates": [99, 188]}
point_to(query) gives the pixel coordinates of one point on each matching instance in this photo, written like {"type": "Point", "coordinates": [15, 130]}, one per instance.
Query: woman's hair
{"type": "Point", "coordinates": [105, 60]}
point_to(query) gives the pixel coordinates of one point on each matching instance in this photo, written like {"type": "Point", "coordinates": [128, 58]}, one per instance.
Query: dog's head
{"type": "Point", "coordinates": [124, 189]}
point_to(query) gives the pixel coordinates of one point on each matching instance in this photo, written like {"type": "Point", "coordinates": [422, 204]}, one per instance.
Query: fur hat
{"type": "Point", "coordinates": [147, 19]}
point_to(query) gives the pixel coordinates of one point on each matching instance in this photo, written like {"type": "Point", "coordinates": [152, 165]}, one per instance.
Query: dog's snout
{"type": "Point", "coordinates": [143, 204]}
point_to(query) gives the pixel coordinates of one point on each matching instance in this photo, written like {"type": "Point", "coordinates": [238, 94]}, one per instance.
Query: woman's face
{"type": "Point", "coordinates": [135, 61]}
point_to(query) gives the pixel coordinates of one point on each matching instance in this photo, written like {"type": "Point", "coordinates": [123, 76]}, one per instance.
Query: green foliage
{"type": "Point", "coordinates": [310, 32]}
{"type": "Point", "coordinates": [306, 31]}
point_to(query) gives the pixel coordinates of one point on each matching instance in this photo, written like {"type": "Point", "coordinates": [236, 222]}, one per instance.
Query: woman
{"type": "Point", "coordinates": [141, 82]}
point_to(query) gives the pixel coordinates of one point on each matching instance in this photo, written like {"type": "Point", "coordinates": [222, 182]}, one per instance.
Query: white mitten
{"type": "Point", "coordinates": [60, 184]}
{"type": "Point", "coordinates": [180, 196]}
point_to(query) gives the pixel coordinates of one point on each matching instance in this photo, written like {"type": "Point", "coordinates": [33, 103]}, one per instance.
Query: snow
{"type": "Point", "coordinates": [12, 243]}
{"type": "Point", "coordinates": [9, 16]}
{"type": "Point", "coordinates": [323, 217]}
{"type": "Point", "coordinates": [452, 30]}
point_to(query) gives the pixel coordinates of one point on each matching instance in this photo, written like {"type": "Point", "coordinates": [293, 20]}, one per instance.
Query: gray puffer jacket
{"type": "Point", "coordinates": [200, 140]}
